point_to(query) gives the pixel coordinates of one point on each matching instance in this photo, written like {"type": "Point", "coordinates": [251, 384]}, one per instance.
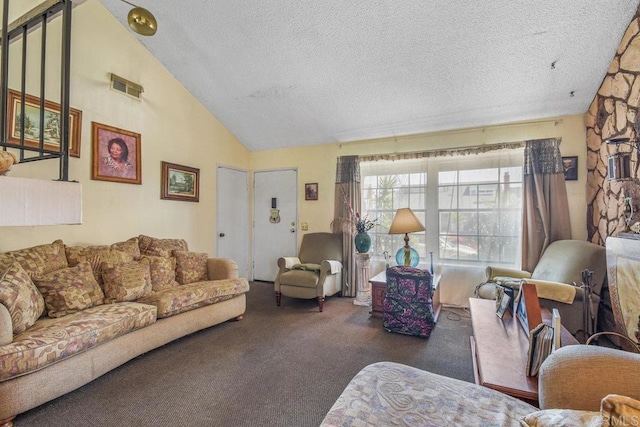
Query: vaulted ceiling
{"type": "Point", "coordinates": [298, 72]}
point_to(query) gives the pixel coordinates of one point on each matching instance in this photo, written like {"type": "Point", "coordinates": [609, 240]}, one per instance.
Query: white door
{"type": "Point", "coordinates": [274, 220]}
{"type": "Point", "coordinates": [232, 214]}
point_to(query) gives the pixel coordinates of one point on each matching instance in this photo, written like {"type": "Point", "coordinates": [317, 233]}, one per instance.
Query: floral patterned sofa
{"type": "Point", "coordinates": [69, 314]}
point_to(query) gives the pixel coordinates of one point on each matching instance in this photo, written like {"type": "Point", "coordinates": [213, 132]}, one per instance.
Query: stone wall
{"type": "Point", "coordinates": [614, 113]}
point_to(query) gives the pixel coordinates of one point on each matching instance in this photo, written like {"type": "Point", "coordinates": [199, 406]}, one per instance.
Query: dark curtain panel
{"type": "Point", "coordinates": [347, 203]}
{"type": "Point", "coordinates": [545, 213]}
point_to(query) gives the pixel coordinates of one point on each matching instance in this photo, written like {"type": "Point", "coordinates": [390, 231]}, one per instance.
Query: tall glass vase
{"type": "Point", "coordinates": [363, 242]}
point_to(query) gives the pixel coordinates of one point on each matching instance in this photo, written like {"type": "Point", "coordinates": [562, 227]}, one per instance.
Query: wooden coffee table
{"type": "Point", "coordinates": [379, 287]}
{"type": "Point", "coordinates": [499, 348]}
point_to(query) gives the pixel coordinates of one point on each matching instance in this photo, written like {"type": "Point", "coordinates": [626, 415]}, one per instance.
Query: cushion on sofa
{"type": "Point", "coordinates": [130, 247]}
{"type": "Point", "coordinates": [182, 298]}
{"type": "Point", "coordinates": [42, 259]}
{"type": "Point", "coordinates": [30, 260]}
{"type": "Point", "coordinates": [160, 247]}
{"type": "Point", "coordinates": [562, 418]}
{"type": "Point", "coordinates": [191, 267]}
{"type": "Point", "coordinates": [51, 340]}
{"type": "Point", "coordinates": [163, 272]}
{"type": "Point", "coordinates": [109, 256]}
{"type": "Point", "coordinates": [69, 290]}
{"type": "Point", "coordinates": [77, 254]}
{"type": "Point", "coordinates": [21, 297]}
{"type": "Point", "coordinates": [126, 282]}
{"type": "Point", "coordinates": [617, 410]}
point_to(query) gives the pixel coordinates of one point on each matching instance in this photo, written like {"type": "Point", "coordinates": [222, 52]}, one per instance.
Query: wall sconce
{"type": "Point", "coordinates": [620, 162]}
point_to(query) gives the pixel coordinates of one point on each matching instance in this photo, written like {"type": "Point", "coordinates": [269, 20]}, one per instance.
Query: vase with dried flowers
{"type": "Point", "coordinates": [362, 239]}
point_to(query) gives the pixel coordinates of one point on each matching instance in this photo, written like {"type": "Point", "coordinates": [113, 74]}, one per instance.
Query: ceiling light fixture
{"type": "Point", "coordinates": [141, 20]}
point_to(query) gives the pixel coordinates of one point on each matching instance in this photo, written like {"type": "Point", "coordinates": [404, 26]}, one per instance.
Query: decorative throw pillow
{"type": "Point", "coordinates": [126, 282]}
{"type": "Point", "coordinates": [21, 297]}
{"type": "Point", "coordinates": [163, 272]}
{"type": "Point", "coordinates": [190, 267]}
{"type": "Point", "coordinates": [562, 418]}
{"type": "Point", "coordinates": [130, 247]}
{"type": "Point", "coordinates": [69, 290]}
{"type": "Point", "coordinates": [111, 257]}
{"type": "Point", "coordinates": [77, 254]}
{"type": "Point", "coordinates": [619, 410]}
{"type": "Point", "coordinates": [53, 255]}
{"type": "Point", "coordinates": [29, 259]}
{"type": "Point", "coordinates": [165, 247]}
{"type": "Point", "coordinates": [6, 260]}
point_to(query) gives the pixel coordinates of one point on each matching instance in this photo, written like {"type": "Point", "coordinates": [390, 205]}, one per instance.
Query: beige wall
{"type": "Point", "coordinates": [174, 128]}
{"type": "Point", "coordinates": [318, 163]}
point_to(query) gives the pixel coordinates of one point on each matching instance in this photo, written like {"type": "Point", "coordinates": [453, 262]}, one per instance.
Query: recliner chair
{"type": "Point", "coordinates": [315, 273]}
{"type": "Point", "coordinates": [558, 277]}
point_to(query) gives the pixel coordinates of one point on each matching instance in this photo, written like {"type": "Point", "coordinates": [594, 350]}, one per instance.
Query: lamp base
{"type": "Point", "coordinates": [414, 258]}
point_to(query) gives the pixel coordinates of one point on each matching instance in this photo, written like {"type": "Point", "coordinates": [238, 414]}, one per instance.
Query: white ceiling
{"type": "Point", "coordinates": [298, 72]}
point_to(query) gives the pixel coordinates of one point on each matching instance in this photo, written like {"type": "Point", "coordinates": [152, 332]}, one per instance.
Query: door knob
{"type": "Point", "coordinates": [221, 234]}
{"type": "Point", "coordinates": [293, 230]}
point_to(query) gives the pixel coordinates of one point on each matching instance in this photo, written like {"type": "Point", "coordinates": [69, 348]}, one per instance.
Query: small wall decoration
{"type": "Point", "coordinates": [116, 155]}
{"type": "Point", "coordinates": [311, 191]}
{"type": "Point", "coordinates": [180, 183]}
{"type": "Point", "coordinates": [570, 165]}
{"type": "Point", "coordinates": [32, 123]}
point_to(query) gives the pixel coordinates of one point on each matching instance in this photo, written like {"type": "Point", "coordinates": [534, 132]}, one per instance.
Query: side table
{"type": "Point", "coordinates": [379, 287]}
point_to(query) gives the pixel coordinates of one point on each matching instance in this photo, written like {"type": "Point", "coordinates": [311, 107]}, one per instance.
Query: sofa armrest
{"type": "Point", "coordinates": [555, 291]}
{"type": "Point", "coordinates": [287, 263]}
{"type": "Point", "coordinates": [6, 326]}
{"type": "Point", "coordinates": [492, 272]}
{"type": "Point", "coordinates": [222, 268]}
{"type": "Point", "coordinates": [580, 376]}
{"type": "Point", "coordinates": [331, 267]}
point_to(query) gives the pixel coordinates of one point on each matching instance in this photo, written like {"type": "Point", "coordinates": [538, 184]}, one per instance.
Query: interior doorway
{"type": "Point", "coordinates": [275, 224]}
{"type": "Point", "coordinates": [232, 213]}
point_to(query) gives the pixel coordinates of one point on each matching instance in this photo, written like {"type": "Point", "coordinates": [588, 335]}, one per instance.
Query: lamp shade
{"type": "Point", "coordinates": [405, 221]}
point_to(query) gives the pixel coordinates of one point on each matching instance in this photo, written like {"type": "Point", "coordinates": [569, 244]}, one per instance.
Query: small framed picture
{"type": "Point", "coordinates": [180, 183]}
{"type": "Point", "coordinates": [311, 191]}
{"type": "Point", "coordinates": [116, 155]}
{"type": "Point", "coordinates": [570, 165]}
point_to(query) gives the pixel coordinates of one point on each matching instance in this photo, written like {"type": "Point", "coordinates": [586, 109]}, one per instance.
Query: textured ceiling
{"type": "Point", "coordinates": [297, 72]}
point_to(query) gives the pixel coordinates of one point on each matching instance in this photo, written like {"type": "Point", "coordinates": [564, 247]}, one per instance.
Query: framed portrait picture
{"type": "Point", "coordinates": [116, 155]}
{"type": "Point", "coordinates": [32, 123]}
{"type": "Point", "coordinates": [570, 165]}
{"type": "Point", "coordinates": [311, 191]}
{"type": "Point", "coordinates": [180, 183]}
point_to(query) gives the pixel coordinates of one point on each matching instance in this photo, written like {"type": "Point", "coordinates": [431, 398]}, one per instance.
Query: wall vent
{"type": "Point", "coordinates": [126, 87]}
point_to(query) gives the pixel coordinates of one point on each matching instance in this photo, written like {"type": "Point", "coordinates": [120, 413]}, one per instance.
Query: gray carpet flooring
{"type": "Point", "coordinates": [280, 366]}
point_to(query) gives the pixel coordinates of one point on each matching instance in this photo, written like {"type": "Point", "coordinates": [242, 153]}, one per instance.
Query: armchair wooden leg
{"type": "Point", "coordinates": [321, 303]}
{"type": "Point", "coordinates": [7, 422]}
{"type": "Point", "coordinates": [278, 297]}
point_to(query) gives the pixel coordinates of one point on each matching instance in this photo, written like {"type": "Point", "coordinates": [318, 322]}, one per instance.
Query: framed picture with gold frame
{"type": "Point", "coordinates": [116, 155]}
{"type": "Point", "coordinates": [180, 183]}
{"type": "Point", "coordinates": [32, 123]}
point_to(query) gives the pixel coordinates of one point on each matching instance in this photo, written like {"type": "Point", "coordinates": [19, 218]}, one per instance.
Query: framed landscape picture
{"type": "Point", "coordinates": [180, 183]}
{"type": "Point", "coordinates": [32, 123]}
{"type": "Point", "coordinates": [116, 155]}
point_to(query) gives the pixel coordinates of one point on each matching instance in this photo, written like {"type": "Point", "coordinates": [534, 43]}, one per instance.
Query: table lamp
{"type": "Point", "coordinates": [405, 222]}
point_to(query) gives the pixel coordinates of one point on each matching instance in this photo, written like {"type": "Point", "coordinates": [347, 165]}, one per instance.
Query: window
{"type": "Point", "coordinates": [471, 206]}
